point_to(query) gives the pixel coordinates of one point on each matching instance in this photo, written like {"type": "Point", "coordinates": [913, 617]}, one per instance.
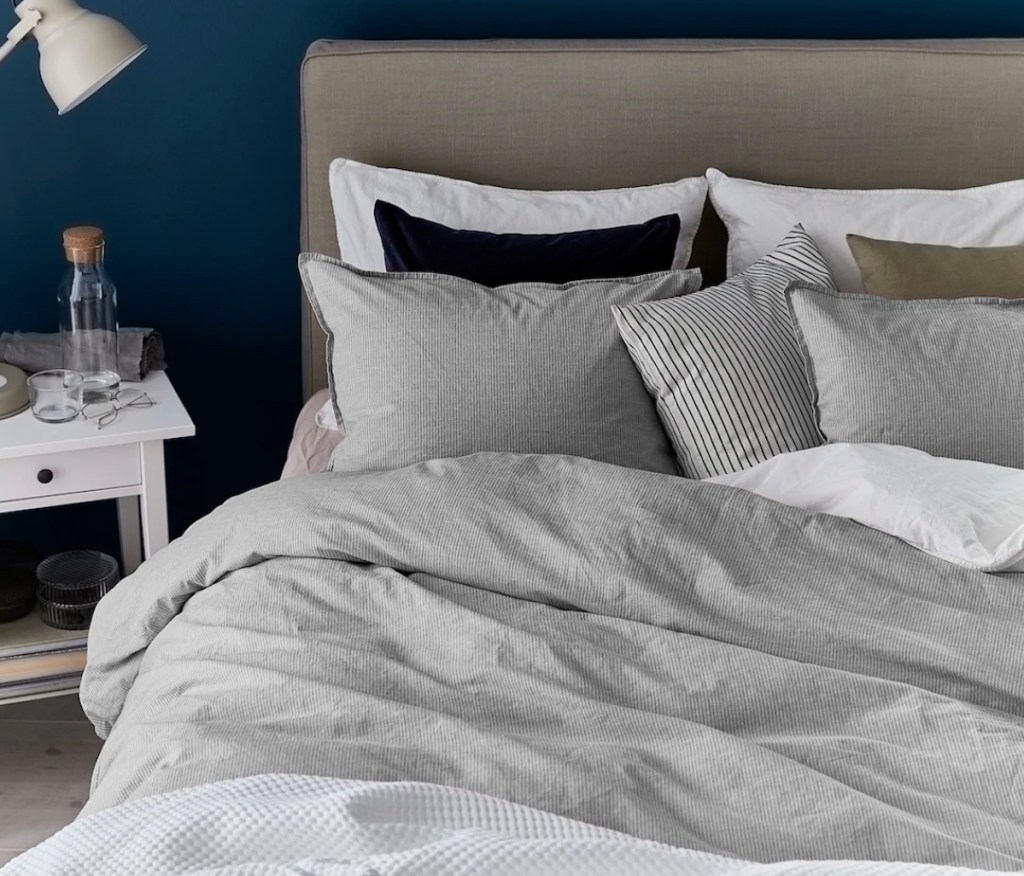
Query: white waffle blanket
{"type": "Point", "coordinates": [287, 824]}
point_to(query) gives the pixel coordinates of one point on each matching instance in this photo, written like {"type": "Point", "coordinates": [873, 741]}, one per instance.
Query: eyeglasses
{"type": "Point", "coordinates": [105, 413]}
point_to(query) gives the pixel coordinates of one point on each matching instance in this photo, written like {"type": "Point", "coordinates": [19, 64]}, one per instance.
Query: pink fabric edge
{"type": "Point", "coordinates": [311, 446]}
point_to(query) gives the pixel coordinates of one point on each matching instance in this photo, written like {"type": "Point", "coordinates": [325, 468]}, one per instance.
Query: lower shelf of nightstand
{"type": "Point", "coordinates": [35, 657]}
{"type": "Point", "coordinates": [31, 634]}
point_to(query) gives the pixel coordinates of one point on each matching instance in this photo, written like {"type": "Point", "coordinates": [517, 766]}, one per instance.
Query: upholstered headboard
{"type": "Point", "coordinates": [584, 114]}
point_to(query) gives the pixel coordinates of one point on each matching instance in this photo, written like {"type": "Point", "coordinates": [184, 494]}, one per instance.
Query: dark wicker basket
{"type": "Point", "coordinates": [17, 580]}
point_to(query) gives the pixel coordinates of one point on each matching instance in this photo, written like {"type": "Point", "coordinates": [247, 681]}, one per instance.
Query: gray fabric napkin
{"type": "Point", "coordinates": [140, 350]}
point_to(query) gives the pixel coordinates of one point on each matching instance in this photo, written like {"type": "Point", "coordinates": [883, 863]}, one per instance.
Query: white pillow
{"type": "Point", "coordinates": [355, 188]}
{"type": "Point", "coordinates": [968, 513]}
{"type": "Point", "coordinates": [758, 215]}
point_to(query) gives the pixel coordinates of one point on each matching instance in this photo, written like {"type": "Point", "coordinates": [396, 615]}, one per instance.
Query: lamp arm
{"type": "Point", "coordinates": [21, 30]}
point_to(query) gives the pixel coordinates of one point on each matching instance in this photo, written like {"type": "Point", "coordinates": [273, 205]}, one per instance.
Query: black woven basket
{"type": "Point", "coordinates": [71, 584]}
{"type": "Point", "coordinates": [17, 580]}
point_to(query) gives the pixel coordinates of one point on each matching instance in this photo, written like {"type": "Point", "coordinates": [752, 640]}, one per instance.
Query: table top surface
{"type": "Point", "coordinates": [23, 435]}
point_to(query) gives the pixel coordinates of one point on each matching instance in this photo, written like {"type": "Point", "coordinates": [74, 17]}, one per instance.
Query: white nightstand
{"type": "Point", "coordinates": [43, 465]}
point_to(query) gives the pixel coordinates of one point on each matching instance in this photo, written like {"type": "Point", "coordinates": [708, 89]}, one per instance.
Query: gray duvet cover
{"type": "Point", "coordinates": [681, 661]}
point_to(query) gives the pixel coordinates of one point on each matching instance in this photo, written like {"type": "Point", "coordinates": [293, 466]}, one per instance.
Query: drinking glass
{"type": "Point", "coordinates": [56, 396]}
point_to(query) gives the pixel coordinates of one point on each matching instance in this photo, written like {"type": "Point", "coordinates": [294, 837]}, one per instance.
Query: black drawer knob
{"type": "Point", "coordinates": [44, 476]}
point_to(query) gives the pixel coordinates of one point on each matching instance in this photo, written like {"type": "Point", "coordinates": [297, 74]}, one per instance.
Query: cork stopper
{"type": "Point", "coordinates": [83, 243]}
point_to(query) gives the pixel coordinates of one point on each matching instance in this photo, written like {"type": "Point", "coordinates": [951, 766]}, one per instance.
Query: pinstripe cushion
{"type": "Point", "coordinates": [724, 365]}
{"type": "Point", "coordinates": [426, 365]}
{"type": "Point", "coordinates": [943, 376]}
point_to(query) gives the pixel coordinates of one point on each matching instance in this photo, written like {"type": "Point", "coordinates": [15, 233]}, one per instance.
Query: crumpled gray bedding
{"type": "Point", "coordinates": [681, 661]}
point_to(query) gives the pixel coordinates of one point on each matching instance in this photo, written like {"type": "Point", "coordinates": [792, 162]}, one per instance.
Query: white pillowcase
{"type": "Point", "coordinates": [355, 188]}
{"type": "Point", "coordinates": [326, 418]}
{"type": "Point", "coordinates": [758, 215]}
{"type": "Point", "coordinates": [968, 513]}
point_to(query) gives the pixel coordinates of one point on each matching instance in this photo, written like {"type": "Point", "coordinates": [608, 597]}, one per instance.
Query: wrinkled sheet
{"type": "Point", "coordinates": [965, 512]}
{"type": "Point", "coordinates": [679, 661]}
{"type": "Point", "coordinates": [282, 824]}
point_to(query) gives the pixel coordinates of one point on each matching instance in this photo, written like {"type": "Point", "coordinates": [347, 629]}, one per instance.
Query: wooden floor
{"type": "Point", "coordinates": [47, 749]}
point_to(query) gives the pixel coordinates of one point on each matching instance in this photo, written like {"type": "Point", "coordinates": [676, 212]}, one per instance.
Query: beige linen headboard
{"type": "Point", "coordinates": [585, 114]}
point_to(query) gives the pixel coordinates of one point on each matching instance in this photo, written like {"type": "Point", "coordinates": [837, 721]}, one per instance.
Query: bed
{"type": "Point", "coordinates": [652, 662]}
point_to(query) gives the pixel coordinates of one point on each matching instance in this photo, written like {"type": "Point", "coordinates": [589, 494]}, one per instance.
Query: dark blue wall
{"type": "Point", "coordinates": [191, 161]}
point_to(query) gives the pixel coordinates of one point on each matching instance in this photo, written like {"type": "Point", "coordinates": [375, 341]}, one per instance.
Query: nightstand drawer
{"type": "Point", "coordinates": [52, 474]}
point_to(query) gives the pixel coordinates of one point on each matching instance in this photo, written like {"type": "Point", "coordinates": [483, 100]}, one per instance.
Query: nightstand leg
{"type": "Point", "coordinates": [131, 533]}
{"type": "Point", "coordinates": [154, 498]}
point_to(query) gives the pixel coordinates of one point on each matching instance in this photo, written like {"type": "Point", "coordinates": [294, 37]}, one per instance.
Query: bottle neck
{"type": "Point", "coordinates": [86, 259]}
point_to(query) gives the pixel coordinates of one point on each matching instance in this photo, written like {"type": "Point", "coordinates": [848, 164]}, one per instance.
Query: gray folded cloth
{"type": "Point", "coordinates": [140, 350]}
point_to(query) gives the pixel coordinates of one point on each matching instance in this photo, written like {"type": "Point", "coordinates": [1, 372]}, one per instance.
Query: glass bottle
{"type": "Point", "coordinates": [88, 314]}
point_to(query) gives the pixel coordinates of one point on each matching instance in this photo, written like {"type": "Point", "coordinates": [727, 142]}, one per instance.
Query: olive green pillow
{"type": "Point", "coordinates": [909, 271]}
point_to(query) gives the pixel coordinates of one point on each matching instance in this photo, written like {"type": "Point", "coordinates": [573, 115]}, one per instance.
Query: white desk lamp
{"type": "Point", "coordinates": [79, 51]}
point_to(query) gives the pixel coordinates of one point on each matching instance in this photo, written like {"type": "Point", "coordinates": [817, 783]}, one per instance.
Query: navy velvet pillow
{"type": "Point", "coordinates": [415, 244]}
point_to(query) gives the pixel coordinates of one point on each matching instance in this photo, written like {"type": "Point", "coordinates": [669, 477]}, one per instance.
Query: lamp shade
{"type": "Point", "coordinates": [79, 51]}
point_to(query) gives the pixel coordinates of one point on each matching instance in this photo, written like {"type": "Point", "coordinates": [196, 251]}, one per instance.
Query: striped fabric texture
{"type": "Point", "coordinates": [428, 366]}
{"type": "Point", "coordinates": [939, 375]}
{"type": "Point", "coordinates": [724, 365]}
{"type": "Point", "coordinates": [610, 645]}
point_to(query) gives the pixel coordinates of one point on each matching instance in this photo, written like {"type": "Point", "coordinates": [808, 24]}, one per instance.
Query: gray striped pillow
{"type": "Point", "coordinates": [936, 374]}
{"type": "Point", "coordinates": [424, 366]}
{"type": "Point", "coordinates": [724, 365]}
